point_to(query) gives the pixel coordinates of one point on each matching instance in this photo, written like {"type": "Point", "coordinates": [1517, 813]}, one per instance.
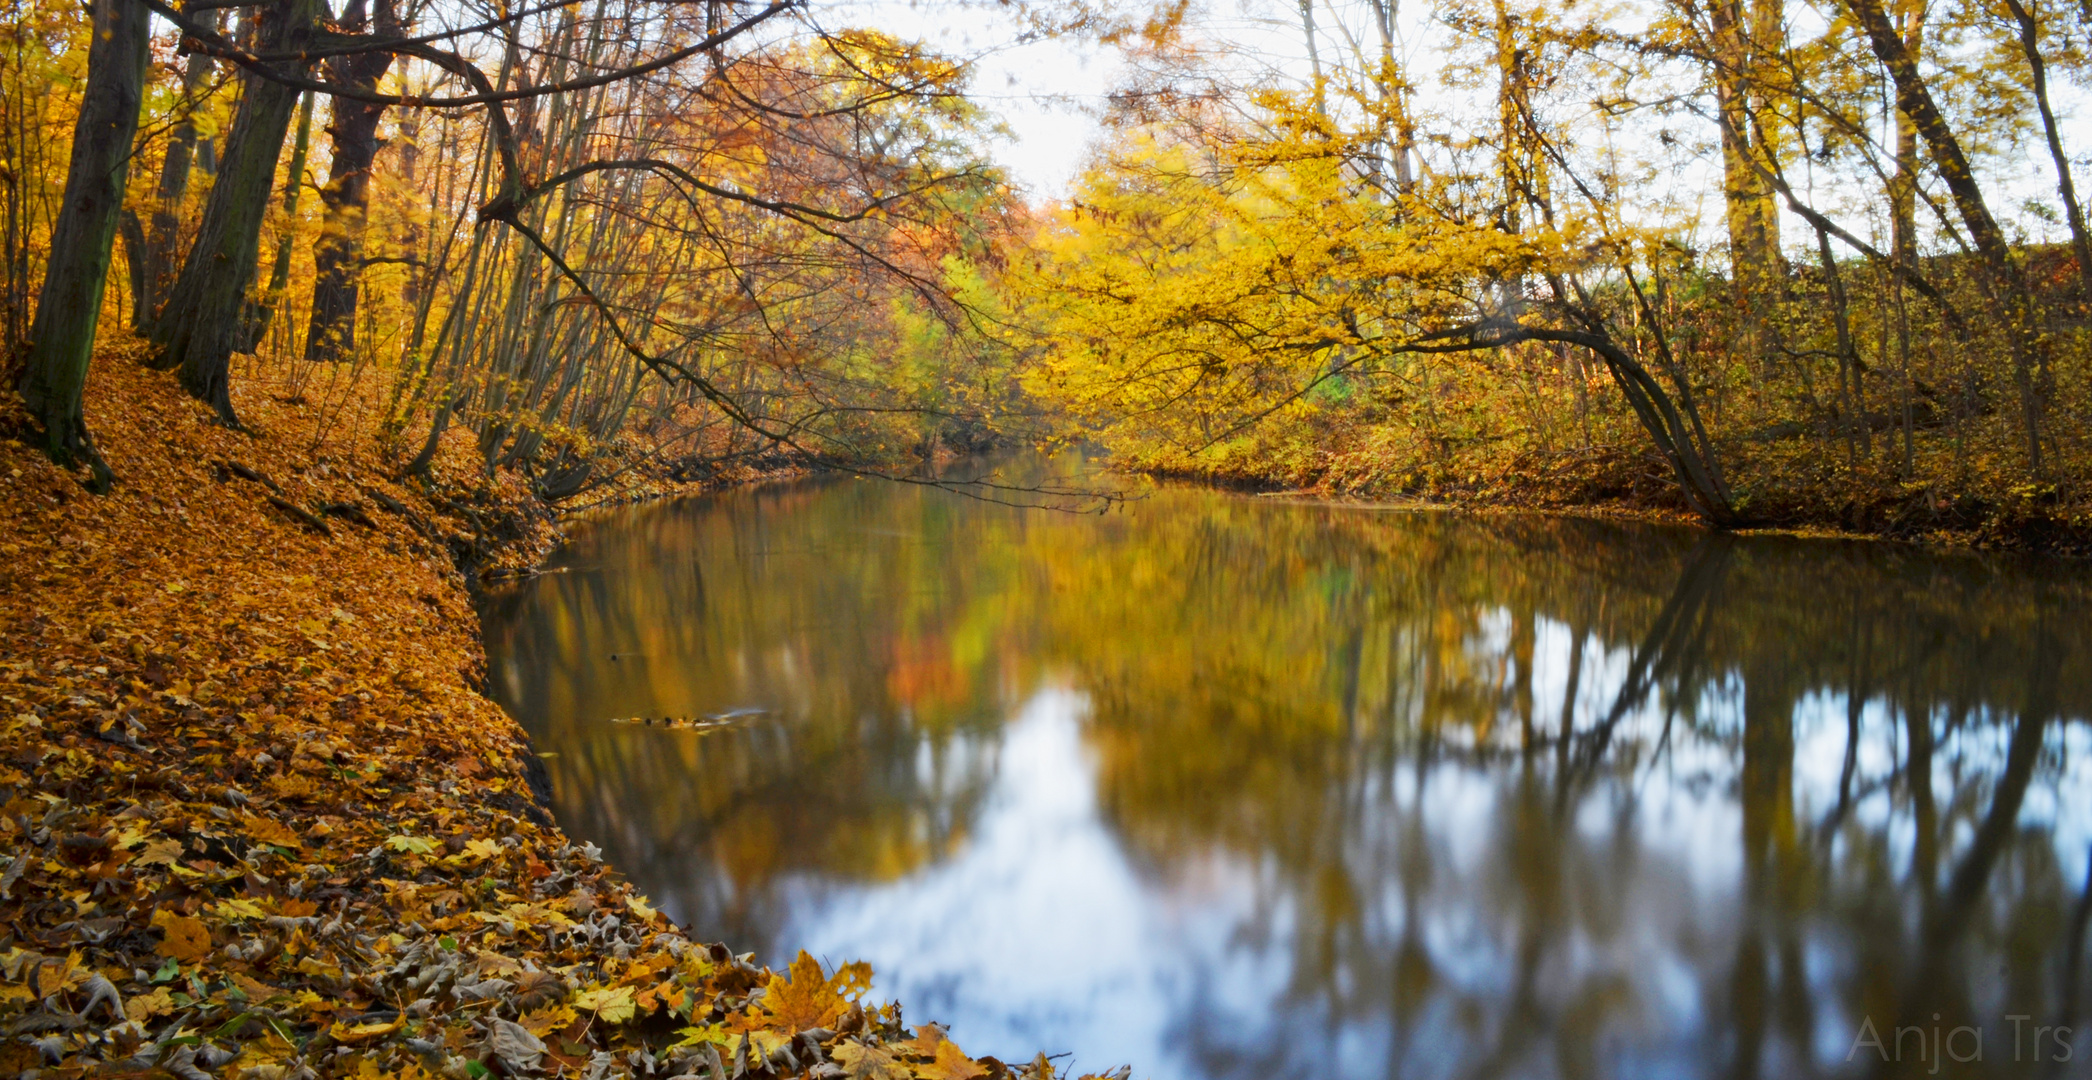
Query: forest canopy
{"type": "Point", "coordinates": [1761, 261]}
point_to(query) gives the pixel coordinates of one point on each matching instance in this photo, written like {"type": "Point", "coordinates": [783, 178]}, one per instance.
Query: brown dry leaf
{"type": "Point", "coordinates": [271, 767]}
{"type": "Point", "coordinates": [861, 1062]}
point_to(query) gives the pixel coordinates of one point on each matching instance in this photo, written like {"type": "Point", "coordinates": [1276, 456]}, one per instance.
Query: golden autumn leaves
{"type": "Point", "coordinates": [261, 828]}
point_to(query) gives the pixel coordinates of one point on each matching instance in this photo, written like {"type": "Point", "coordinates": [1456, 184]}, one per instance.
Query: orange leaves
{"type": "Point", "coordinates": [807, 998]}
{"type": "Point", "coordinates": [928, 1056]}
{"type": "Point", "coordinates": [946, 1061]}
{"type": "Point", "coordinates": [184, 938]}
{"type": "Point", "coordinates": [271, 831]}
{"type": "Point", "coordinates": [326, 845]}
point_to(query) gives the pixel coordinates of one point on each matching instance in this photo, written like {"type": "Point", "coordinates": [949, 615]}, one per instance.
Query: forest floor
{"type": "Point", "coordinates": [260, 822]}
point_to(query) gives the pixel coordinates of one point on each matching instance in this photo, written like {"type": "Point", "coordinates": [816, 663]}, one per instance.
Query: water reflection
{"type": "Point", "coordinates": [1227, 788]}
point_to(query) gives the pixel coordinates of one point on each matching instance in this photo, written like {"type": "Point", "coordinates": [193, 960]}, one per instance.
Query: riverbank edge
{"type": "Point", "coordinates": [1912, 522]}
{"type": "Point", "coordinates": [262, 820]}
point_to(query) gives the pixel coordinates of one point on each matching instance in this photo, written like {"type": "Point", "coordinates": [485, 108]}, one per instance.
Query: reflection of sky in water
{"type": "Point", "coordinates": [1036, 935]}
{"type": "Point", "coordinates": [965, 781]}
{"type": "Point", "coordinates": [1041, 933]}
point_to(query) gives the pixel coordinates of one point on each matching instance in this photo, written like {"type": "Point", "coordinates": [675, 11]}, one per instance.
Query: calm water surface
{"type": "Point", "coordinates": [1228, 788]}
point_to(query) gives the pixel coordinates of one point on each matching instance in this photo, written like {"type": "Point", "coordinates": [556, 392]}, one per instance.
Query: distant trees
{"type": "Point", "coordinates": [1246, 295]}
{"type": "Point", "coordinates": [723, 215]}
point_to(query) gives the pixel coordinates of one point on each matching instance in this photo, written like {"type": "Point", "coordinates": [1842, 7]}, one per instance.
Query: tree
{"type": "Point", "coordinates": [259, 312]}
{"type": "Point", "coordinates": [163, 232]}
{"type": "Point", "coordinates": [1744, 33]}
{"type": "Point", "coordinates": [2005, 281]}
{"type": "Point", "coordinates": [337, 257]}
{"type": "Point", "coordinates": [70, 305]}
{"type": "Point", "coordinates": [202, 323]}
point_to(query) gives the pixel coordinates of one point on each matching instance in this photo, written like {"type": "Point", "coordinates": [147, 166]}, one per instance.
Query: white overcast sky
{"type": "Point", "coordinates": [1049, 92]}
{"type": "Point", "coordinates": [1045, 91]}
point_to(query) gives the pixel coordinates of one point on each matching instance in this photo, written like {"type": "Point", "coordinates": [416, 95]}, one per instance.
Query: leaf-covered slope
{"type": "Point", "coordinates": [259, 823]}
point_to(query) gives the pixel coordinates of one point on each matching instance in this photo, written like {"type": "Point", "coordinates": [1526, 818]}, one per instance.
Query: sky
{"type": "Point", "coordinates": [1050, 93]}
{"type": "Point", "coordinates": [1047, 92]}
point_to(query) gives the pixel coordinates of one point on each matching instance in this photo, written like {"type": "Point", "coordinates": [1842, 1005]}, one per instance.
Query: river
{"type": "Point", "coordinates": [1230, 787]}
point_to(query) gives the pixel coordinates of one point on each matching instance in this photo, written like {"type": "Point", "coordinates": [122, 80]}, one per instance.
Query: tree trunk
{"type": "Point", "coordinates": [2073, 211]}
{"type": "Point", "coordinates": [1903, 185]}
{"type": "Point", "coordinates": [201, 324]}
{"type": "Point", "coordinates": [2007, 285]}
{"type": "Point", "coordinates": [135, 255]}
{"type": "Point", "coordinates": [1394, 91]}
{"type": "Point", "coordinates": [1683, 446]}
{"type": "Point", "coordinates": [62, 337]}
{"type": "Point", "coordinates": [164, 235]}
{"type": "Point", "coordinates": [1743, 31]}
{"type": "Point", "coordinates": [338, 256]}
{"type": "Point", "coordinates": [259, 313]}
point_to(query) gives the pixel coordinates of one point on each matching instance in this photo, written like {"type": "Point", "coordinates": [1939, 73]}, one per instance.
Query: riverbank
{"type": "Point", "coordinates": [261, 821]}
{"type": "Point", "coordinates": [1784, 489]}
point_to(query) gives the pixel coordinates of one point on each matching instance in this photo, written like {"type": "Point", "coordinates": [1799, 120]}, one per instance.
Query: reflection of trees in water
{"type": "Point", "coordinates": [1907, 887]}
{"type": "Point", "coordinates": [1515, 797]}
{"type": "Point", "coordinates": [854, 771]}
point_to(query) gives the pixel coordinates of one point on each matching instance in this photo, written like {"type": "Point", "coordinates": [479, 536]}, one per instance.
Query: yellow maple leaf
{"type": "Point", "coordinates": [611, 1004]}
{"type": "Point", "coordinates": [143, 1007]}
{"type": "Point", "coordinates": [807, 997]}
{"type": "Point", "coordinates": [704, 1033]}
{"type": "Point", "coordinates": [235, 909]}
{"type": "Point", "coordinates": [548, 1019]}
{"type": "Point", "coordinates": [270, 831]}
{"type": "Point", "coordinates": [55, 976]}
{"type": "Point", "coordinates": [131, 835]}
{"type": "Point", "coordinates": [166, 852]}
{"type": "Point", "coordinates": [950, 1064]}
{"type": "Point", "coordinates": [343, 1033]}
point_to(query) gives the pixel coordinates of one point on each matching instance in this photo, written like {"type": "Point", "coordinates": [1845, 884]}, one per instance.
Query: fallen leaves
{"type": "Point", "coordinates": [184, 938]}
{"type": "Point", "coordinates": [861, 1062]}
{"type": "Point", "coordinates": [611, 1005]}
{"type": "Point", "coordinates": [259, 827]}
{"type": "Point", "coordinates": [805, 998]}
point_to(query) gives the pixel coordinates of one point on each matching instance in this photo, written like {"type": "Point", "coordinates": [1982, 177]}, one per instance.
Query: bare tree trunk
{"type": "Point", "coordinates": [62, 337]}
{"type": "Point", "coordinates": [201, 325]}
{"type": "Point", "coordinates": [2037, 69]}
{"type": "Point", "coordinates": [1903, 185]}
{"type": "Point", "coordinates": [260, 313]}
{"type": "Point", "coordinates": [2007, 284]}
{"type": "Point", "coordinates": [1743, 31]}
{"type": "Point", "coordinates": [1394, 90]}
{"type": "Point", "coordinates": [164, 234]}
{"type": "Point", "coordinates": [338, 256]}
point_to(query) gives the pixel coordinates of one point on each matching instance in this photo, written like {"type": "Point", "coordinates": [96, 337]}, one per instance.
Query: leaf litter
{"type": "Point", "coordinates": [260, 824]}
